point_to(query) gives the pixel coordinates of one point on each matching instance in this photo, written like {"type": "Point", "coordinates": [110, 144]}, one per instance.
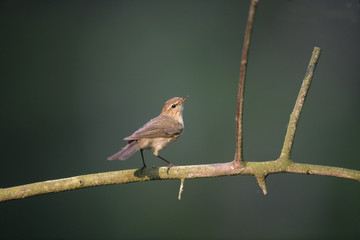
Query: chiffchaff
{"type": "Point", "coordinates": [156, 134]}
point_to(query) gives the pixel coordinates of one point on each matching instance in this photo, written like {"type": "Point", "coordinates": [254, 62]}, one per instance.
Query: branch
{"type": "Point", "coordinates": [295, 115]}
{"type": "Point", "coordinates": [239, 136]}
{"type": "Point", "coordinates": [257, 169]}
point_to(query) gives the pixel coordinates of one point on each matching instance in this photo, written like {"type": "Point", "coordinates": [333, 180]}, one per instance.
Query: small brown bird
{"type": "Point", "coordinates": [156, 134]}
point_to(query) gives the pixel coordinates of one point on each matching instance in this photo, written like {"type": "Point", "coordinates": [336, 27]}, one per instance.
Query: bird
{"type": "Point", "coordinates": [157, 133]}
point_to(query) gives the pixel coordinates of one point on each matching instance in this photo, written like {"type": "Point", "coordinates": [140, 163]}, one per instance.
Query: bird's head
{"type": "Point", "coordinates": [174, 107]}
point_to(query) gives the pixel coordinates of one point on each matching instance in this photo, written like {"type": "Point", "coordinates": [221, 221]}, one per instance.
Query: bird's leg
{"type": "Point", "coordinates": [170, 164]}
{"type": "Point", "coordinates": [142, 157]}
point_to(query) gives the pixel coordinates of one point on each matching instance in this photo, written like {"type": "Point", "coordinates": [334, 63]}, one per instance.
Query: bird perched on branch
{"type": "Point", "coordinates": [156, 134]}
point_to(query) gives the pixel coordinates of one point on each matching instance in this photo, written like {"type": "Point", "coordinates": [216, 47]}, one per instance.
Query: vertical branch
{"type": "Point", "coordinates": [295, 115]}
{"type": "Point", "coordinates": [239, 136]}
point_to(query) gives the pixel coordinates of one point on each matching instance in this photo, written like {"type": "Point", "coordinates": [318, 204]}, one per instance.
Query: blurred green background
{"type": "Point", "coordinates": [79, 76]}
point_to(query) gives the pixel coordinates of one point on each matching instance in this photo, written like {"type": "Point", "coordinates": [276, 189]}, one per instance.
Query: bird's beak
{"type": "Point", "coordinates": [183, 99]}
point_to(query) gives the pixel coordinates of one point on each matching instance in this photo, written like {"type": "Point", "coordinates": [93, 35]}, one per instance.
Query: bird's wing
{"type": "Point", "coordinates": [158, 127]}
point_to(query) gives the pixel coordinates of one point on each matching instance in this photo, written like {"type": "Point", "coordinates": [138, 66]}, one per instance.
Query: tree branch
{"type": "Point", "coordinates": [239, 115]}
{"type": "Point", "coordinates": [257, 169]}
{"type": "Point", "coordinates": [295, 115]}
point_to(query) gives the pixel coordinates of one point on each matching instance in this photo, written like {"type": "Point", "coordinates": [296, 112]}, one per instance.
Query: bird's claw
{"type": "Point", "coordinates": [141, 169]}
{"type": "Point", "coordinates": [170, 165]}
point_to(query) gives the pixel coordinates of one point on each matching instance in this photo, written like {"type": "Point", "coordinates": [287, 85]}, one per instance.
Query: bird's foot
{"type": "Point", "coordinates": [141, 169]}
{"type": "Point", "coordinates": [170, 166]}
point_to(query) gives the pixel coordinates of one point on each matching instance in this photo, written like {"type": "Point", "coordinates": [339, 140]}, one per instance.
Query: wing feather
{"type": "Point", "coordinates": [161, 126]}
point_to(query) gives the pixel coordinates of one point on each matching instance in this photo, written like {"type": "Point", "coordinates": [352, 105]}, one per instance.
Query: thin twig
{"type": "Point", "coordinates": [239, 119]}
{"type": "Point", "coordinates": [295, 115]}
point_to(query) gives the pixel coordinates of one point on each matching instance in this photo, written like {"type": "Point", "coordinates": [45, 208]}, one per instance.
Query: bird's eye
{"type": "Point", "coordinates": [173, 106]}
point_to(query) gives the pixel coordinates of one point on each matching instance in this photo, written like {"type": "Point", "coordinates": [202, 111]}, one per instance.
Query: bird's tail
{"type": "Point", "coordinates": [126, 152]}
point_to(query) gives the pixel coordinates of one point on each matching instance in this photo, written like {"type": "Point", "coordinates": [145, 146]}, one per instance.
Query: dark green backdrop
{"type": "Point", "coordinates": [78, 76]}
